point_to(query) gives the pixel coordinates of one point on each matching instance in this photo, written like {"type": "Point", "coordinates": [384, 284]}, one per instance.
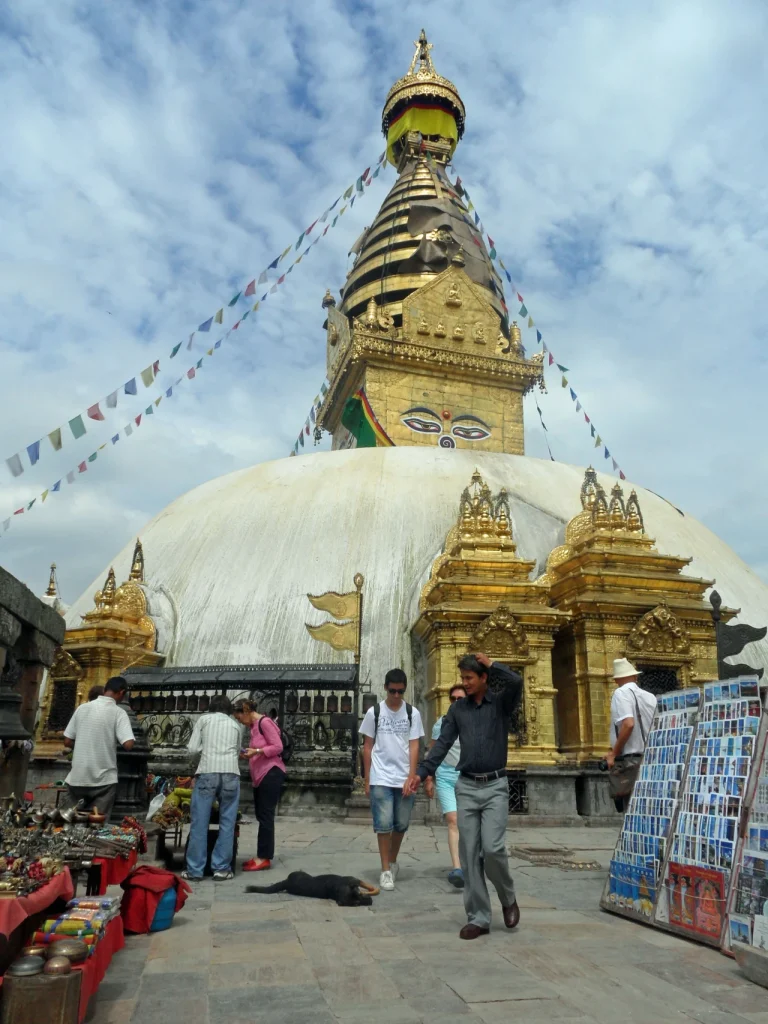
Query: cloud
{"type": "Point", "coordinates": [156, 157]}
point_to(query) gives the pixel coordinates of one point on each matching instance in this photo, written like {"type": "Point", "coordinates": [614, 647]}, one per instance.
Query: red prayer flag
{"type": "Point", "coordinates": [191, 372]}
{"type": "Point", "coordinates": [519, 297]}
{"type": "Point", "coordinates": [156, 367]}
{"type": "Point", "coordinates": [477, 242]}
{"type": "Point", "coordinates": [551, 359]}
{"type": "Point", "coordinates": [235, 326]}
{"type": "Point", "coordinates": [586, 418]}
{"type": "Point", "coordinates": [326, 228]}
{"type": "Point", "coordinates": [493, 244]}
{"type": "Point", "coordinates": [250, 288]}
{"type": "Point", "coordinates": [137, 421]}
{"type": "Point", "coordinates": [281, 279]}
{"type": "Point", "coordinates": [621, 474]}
{"type": "Point", "coordinates": [18, 511]}
{"type": "Point", "coordinates": [310, 227]}
{"type": "Point", "coordinates": [82, 467]}
{"type": "Point", "coordinates": [95, 412]}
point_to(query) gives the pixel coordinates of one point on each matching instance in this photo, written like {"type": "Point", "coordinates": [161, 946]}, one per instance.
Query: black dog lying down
{"type": "Point", "coordinates": [347, 891]}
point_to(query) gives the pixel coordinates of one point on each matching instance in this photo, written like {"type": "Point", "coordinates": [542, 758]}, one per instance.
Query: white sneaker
{"type": "Point", "coordinates": [394, 869]}
{"type": "Point", "coordinates": [386, 881]}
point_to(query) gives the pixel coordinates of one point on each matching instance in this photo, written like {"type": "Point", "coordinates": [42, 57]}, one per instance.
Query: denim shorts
{"type": "Point", "coordinates": [445, 788]}
{"type": "Point", "coordinates": [390, 809]}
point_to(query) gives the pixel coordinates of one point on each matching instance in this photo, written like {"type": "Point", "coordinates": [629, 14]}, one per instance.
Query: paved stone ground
{"type": "Point", "coordinates": [232, 958]}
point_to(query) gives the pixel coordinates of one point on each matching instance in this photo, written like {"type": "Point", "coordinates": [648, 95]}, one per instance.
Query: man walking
{"type": "Point", "coordinates": [217, 737]}
{"type": "Point", "coordinates": [632, 711]}
{"type": "Point", "coordinates": [95, 731]}
{"type": "Point", "coordinates": [481, 721]}
{"type": "Point", "coordinates": [392, 730]}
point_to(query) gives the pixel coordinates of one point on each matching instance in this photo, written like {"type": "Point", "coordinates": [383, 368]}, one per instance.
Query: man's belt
{"type": "Point", "coordinates": [487, 777]}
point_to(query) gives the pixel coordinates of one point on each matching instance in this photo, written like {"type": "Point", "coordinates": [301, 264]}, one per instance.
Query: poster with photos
{"type": "Point", "coordinates": [748, 902]}
{"type": "Point", "coordinates": [702, 848]}
{"type": "Point", "coordinates": [633, 879]}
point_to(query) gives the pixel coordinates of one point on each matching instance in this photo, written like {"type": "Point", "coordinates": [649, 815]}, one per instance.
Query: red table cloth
{"type": "Point", "coordinates": [115, 870]}
{"type": "Point", "coordinates": [95, 967]}
{"type": "Point", "coordinates": [14, 912]}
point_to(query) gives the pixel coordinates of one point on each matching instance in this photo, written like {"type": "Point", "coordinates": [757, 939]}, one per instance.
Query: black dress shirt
{"type": "Point", "coordinates": [482, 728]}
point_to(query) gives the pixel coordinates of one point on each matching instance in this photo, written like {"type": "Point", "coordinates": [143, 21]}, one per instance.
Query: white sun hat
{"type": "Point", "coordinates": [623, 668]}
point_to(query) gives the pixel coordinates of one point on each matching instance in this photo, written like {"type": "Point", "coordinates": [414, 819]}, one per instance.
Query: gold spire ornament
{"type": "Point", "coordinates": [52, 590]}
{"type": "Point", "coordinates": [137, 565]}
{"type": "Point", "coordinates": [341, 636]}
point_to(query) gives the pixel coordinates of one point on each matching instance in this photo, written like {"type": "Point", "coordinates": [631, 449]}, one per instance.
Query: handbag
{"type": "Point", "coordinates": [623, 773]}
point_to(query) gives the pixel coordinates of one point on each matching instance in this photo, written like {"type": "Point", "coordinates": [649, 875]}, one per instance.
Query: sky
{"type": "Point", "coordinates": [158, 155]}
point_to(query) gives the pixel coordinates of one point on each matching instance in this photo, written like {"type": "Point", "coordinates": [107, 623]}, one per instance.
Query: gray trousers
{"type": "Point", "coordinates": [483, 809]}
{"type": "Point", "coordinates": [100, 797]}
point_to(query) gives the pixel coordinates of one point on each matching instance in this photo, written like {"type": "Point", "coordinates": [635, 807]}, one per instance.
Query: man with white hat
{"type": "Point", "coordinates": [632, 711]}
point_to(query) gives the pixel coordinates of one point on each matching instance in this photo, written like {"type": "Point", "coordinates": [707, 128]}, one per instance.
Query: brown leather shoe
{"type": "Point", "coordinates": [511, 915]}
{"type": "Point", "coordinates": [472, 931]}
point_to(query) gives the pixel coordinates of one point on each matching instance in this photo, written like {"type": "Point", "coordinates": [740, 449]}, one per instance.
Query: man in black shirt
{"type": "Point", "coordinates": [481, 722]}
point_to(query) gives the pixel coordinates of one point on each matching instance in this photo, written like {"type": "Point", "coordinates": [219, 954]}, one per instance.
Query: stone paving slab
{"type": "Point", "coordinates": [233, 957]}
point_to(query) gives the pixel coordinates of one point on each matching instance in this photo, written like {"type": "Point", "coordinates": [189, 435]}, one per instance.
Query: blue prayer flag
{"type": "Point", "coordinates": [207, 325]}
{"type": "Point", "coordinates": [130, 388]}
{"type": "Point", "coordinates": [56, 486]}
{"type": "Point", "coordinates": [33, 451]}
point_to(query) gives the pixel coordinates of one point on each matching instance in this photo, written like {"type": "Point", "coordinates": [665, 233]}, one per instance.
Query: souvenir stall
{"type": "Point", "coordinates": [692, 827]}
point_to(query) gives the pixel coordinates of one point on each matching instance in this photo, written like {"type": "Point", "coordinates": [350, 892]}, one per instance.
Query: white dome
{"type": "Point", "coordinates": [239, 554]}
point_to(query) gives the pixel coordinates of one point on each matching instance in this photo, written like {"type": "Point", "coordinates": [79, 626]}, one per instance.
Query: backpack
{"type": "Point", "coordinates": [287, 741]}
{"type": "Point", "coordinates": [377, 712]}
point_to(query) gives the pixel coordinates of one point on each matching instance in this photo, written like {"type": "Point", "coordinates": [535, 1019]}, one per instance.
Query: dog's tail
{"type": "Point", "coordinates": [277, 887]}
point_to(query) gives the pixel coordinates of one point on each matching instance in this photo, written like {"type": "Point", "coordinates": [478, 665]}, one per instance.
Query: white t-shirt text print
{"type": "Point", "coordinates": [390, 758]}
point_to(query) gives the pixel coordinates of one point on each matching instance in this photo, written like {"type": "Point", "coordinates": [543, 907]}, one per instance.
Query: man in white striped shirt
{"type": "Point", "coordinates": [217, 737]}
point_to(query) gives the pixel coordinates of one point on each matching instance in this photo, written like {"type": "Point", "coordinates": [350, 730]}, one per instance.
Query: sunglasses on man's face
{"type": "Point", "coordinates": [396, 692]}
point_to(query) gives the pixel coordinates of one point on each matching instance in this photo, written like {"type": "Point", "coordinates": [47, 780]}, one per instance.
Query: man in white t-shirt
{"type": "Point", "coordinates": [392, 730]}
{"type": "Point", "coordinates": [632, 711]}
{"type": "Point", "coordinates": [96, 730]}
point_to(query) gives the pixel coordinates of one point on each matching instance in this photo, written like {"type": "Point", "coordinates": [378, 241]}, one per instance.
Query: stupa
{"type": "Point", "coordinates": [463, 541]}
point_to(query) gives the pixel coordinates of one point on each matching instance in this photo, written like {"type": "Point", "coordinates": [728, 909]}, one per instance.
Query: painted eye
{"type": "Point", "coordinates": [422, 426]}
{"type": "Point", "coordinates": [471, 433]}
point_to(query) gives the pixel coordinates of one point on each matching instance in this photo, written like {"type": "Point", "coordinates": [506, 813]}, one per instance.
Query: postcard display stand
{"type": "Point", "coordinates": [673, 866]}
{"type": "Point", "coordinates": [636, 865]}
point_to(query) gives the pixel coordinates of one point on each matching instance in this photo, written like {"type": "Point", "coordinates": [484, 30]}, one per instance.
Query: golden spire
{"type": "Point", "coordinates": [52, 589]}
{"type": "Point", "coordinates": [423, 56]}
{"type": "Point", "coordinates": [137, 566]}
{"type": "Point", "coordinates": [589, 488]}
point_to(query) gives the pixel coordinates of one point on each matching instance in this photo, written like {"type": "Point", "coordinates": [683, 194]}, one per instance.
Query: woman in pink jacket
{"type": "Point", "coordinates": [267, 775]}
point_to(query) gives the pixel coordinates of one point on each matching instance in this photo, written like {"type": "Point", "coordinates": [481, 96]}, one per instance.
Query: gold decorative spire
{"type": "Point", "coordinates": [137, 566]}
{"type": "Point", "coordinates": [484, 521]}
{"type": "Point", "coordinates": [52, 590]}
{"type": "Point", "coordinates": [589, 488]}
{"type": "Point", "coordinates": [328, 299]}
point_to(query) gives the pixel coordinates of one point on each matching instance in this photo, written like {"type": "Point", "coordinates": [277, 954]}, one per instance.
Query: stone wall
{"type": "Point", "coordinates": [30, 632]}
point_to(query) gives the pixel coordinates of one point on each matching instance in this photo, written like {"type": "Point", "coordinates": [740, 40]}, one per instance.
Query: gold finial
{"type": "Point", "coordinates": [328, 299]}
{"type": "Point", "coordinates": [52, 590]}
{"type": "Point", "coordinates": [423, 56]}
{"type": "Point", "coordinates": [502, 514]}
{"type": "Point", "coordinates": [617, 510]}
{"type": "Point", "coordinates": [600, 515]}
{"type": "Point", "coordinates": [458, 258]}
{"type": "Point", "coordinates": [634, 515]}
{"type": "Point", "coordinates": [137, 566]}
{"type": "Point", "coordinates": [589, 488]}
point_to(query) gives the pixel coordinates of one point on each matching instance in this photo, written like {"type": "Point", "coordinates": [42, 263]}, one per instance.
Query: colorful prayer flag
{"type": "Point", "coordinates": [564, 382]}
{"type": "Point", "coordinates": [561, 368]}
{"type": "Point", "coordinates": [519, 297]}
{"type": "Point", "coordinates": [573, 394]}
{"type": "Point", "coordinates": [598, 441]}
{"type": "Point", "coordinates": [56, 486]}
{"type": "Point", "coordinates": [615, 464]}
{"type": "Point", "coordinates": [234, 298]}
{"type": "Point", "coordinates": [191, 372]}
{"type": "Point", "coordinates": [95, 412]}
{"type": "Point", "coordinates": [206, 326]}
{"type": "Point", "coordinates": [348, 193]}
{"type": "Point", "coordinates": [538, 336]}
{"type": "Point", "coordinates": [137, 420]}
{"type": "Point", "coordinates": [578, 407]}
{"type": "Point", "coordinates": [607, 454]}
{"type": "Point", "coordinates": [29, 506]}
{"type": "Point", "coordinates": [77, 426]}
{"type": "Point", "coordinates": [175, 350]}
{"type": "Point", "coordinates": [93, 456]}
{"type": "Point", "coordinates": [128, 429]}
{"type": "Point", "coordinates": [219, 318]}
{"type": "Point", "coordinates": [33, 451]}
{"type": "Point", "coordinates": [115, 438]}
{"type": "Point", "coordinates": [530, 321]}
{"type": "Point", "coordinates": [55, 438]}
{"type": "Point", "coordinates": [15, 466]}
{"type": "Point", "coordinates": [199, 364]}
{"type": "Point", "coordinates": [82, 467]}
{"type": "Point", "coordinates": [112, 400]}
{"type": "Point", "coordinates": [551, 359]}
{"type": "Point", "coordinates": [621, 475]}
{"type": "Point", "coordinates": [147, 376]}
{"type": "Point", "coordinates": [71, 476]}
{"type": "Point", "coordinates": [523, 310]}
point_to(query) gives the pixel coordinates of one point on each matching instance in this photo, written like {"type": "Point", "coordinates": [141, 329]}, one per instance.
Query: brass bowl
{"type": "Point", "coordinates": [26, 966]}
{"type": "Point", "coordinates": [75, 950]}
{"type": "Point", "coordinates": [96, 817]}
{"type": "Point", "coordinates": [57, 965]}
{"type": "Point", "coordinates": [35, 951]}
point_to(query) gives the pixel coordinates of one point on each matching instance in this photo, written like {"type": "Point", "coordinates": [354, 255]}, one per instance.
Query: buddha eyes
{"type": "Point", "coordinates": [470, 433]}
{"type": "Point", "coordinates": [422, 426]}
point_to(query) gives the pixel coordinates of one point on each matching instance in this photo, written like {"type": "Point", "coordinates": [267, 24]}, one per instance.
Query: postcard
{"type": "Point", "coordinates": [740, 929]}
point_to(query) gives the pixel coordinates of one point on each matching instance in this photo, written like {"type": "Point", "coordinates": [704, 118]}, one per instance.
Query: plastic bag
{"type": "Point", "coordinates": [154, 805]}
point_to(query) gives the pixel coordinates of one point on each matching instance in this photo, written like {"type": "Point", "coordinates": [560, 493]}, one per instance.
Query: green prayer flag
{"type": "Point", "coordinates": [561, 368]}
{"type": "Point", "coordinates": [234, 299]}
{"type": "Point", "coordinates": [77, 427]}
{"type": "Point", "coordinates": [523, 310]}
{"type": "Point", "coordinates": [300, 240]}
{"type": "Point", "coordinates": [353, 418]}
{"type": "Point", "coordinates": [93, 457]}
{"type": "Point", "coordinates": [175, 350]}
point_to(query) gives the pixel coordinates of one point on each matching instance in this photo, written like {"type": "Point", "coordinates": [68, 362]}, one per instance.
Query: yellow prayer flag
{"type": "Point", "coordinates": [530, 321]}
{"type": "Point", "coordinates": [340, 606]}
{"type": "Point", "coordinates": [285, 253]}
{"type": "Point", "coordinates": [341, 211]}
{"type": "Point", "coordinates": [255, 307]}
{"type": "Point", "coordinates": [158, 401]}
{"type": "Point", "coordinates": [565, 382]}
{"type": "Point", "coordinates": [209, 352]}
{"type": "Point", "coordinates": [339, 637]}
{"type": "Point", "coordinates": [102, 447]}
{"type": "Point", "coordinates": [297, 260]}
{"type": "Point", "coordinates": [598, 442]}
{"type": "Point", "coordinates": [44, 495]}
{"type": "Point", "coordinates": [219, 318]}
{"type": "Point", "coordinates": [147, 376]}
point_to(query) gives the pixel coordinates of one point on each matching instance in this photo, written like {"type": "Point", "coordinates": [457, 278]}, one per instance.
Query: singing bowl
{"type": "Point", "coordinates": [96, 817]}
{"type": "Point", "coordinates": [57, 965]}
{"type": "Point", "coordinates": [26, 966]}
{"type": "Point", "coordinates": [34, 951]}
{"type": "Point", "coordinates": [75, 950]}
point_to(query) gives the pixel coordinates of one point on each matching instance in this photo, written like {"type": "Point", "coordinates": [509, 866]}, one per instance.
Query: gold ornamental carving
{"type": "Point", "coordinates": [502, 634]}
{"type": "Point", "coordinates": [65, 667]}
{"type": "Point", "coordinates": [659, 632]}
{"type": "Point", "coordinates": [453, 298]}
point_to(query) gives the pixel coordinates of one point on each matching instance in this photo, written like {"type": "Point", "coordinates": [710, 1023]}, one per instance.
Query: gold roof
{"type": "Point", "coordinates": [421, 79]}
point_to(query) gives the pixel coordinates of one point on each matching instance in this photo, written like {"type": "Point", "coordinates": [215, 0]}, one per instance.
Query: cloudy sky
{"type": "Point", "coordinates": [157, 155]}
